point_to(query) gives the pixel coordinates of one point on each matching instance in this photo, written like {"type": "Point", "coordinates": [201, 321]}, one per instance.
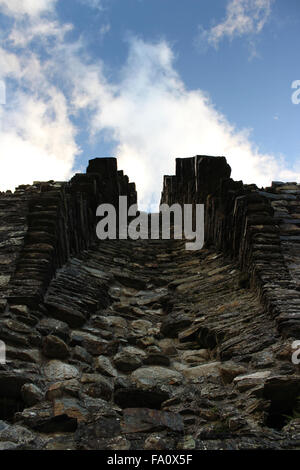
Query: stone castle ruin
{"type": "Point", "coordinates": [141, 344]}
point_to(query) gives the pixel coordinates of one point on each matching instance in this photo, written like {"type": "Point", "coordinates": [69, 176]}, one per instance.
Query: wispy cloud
{"type": "Point", "coordinates": [243, 18]}
{"type": "Point", "coordinates": [37, 134]}
{"type": "Point", "coordinates": [96, 4]}
{"type": "Point", "coordinates": [104, 29]}
{"type": "Point", "coordinates": [154, 118]}
{"type": "Point", "coordinates": [30, 8]}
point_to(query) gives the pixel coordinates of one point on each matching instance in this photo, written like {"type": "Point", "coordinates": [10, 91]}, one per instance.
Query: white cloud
{"type": "Point", "coordinates": [37, 137]}
{"type": "Point", "coordinates": [104, 29]}
{"type": "Point", "coordinates": [155, 119]}
{"type": "Point", "coordinates": [9, 63]}
{"type": "Point", "coordinates": [243, 17]}
{"type": "Point", "coordinates": [43, 29]}
{"type": "Point", "coordinates": [32, 8]}
{"type": "Point", "coordinates": [33, 19]}
{"type": "Point", "coordinates": [96, 4]}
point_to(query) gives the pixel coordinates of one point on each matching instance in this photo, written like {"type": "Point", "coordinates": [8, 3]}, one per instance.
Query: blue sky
{"type": "Point", "coordinates": [148, 81]}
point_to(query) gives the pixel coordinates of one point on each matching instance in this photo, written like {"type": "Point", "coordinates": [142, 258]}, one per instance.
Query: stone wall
{"type": "Point", "coordinates": [142, 344]}
{"type": "Point", "coordinates": [252, 226]}
{"type": "Point", "coordinates": [47, 222]}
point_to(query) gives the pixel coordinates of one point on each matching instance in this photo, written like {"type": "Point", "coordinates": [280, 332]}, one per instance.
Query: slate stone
{"type": "Point", "coordinates": [55, 347]}
{"type": "Point", "coordinates": [142, 344]}
{"type": "Point", "coordinates": [146, 420]}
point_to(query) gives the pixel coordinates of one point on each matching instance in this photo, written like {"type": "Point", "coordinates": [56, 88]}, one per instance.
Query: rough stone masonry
{"type": "Point", "coordinates": [123, 344]}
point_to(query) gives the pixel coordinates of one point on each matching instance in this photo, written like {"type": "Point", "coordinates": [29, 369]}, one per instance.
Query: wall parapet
{"type": "Point", "coordinates": [58, 221]}
{"type": "Point", "coordinates": [242, 222]}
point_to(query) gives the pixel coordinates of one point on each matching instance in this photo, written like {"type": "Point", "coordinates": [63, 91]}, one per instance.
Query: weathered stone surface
{"type": "Point", "coordinates": [17, 437]}
{"type": "Point", "coordinates": [31, 394]}
{"type": "Point", "coordinates": [69, 387]}
{"type": "Point", "coordinates": [111, 322]}
{"type": "Point", "coordinates": [129, 359]}
{"type": "Point", "coordinates": [94, 345]}
{"type": "Point", "coordinates": [97, 386]}
{"type": "Point", "coordinates": [57, 370]}
{"type": "Point", "coordinates": [105, 367]}
{"type": "Point", "coordinates": [200, 341]}
{"type": "Point", "coordinates": [246, 381]}
{"type": "Point", "coordinates": [41, 418]}
{"type": "Point", "coordinates": [153, 376]}
{"type": "Point", "coordinates": [67, 315]}
{"type": "Point", "coordinates": [210, 369]}
{"type": "Point", "coordinates": [55, 347]}
{"type": "Point", "coordinates": [195, 356]}
{"type": "Point", "coordinates": [51, 326]}
{"type": "Point", "coordinates": [22, 354]}
{"type": "Point", "coordinates": [168, 347]}
{"type": "Point", "coordinates": [229, 370]}
{"type": "Point", "coordinates": [100, 435]}
{"type": "Point", "coordinates": [79, 353]}
{"type": "Point", "coordinates": [174, 323]}
{"type": "Point", "coordinates": [141, 327]}
{"type": "Point", "coordinates": [145, 420]}
{"type": "Point", "coordinates": [158, 442]}
{"type": "Point", "coordinates": [70, 407]}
